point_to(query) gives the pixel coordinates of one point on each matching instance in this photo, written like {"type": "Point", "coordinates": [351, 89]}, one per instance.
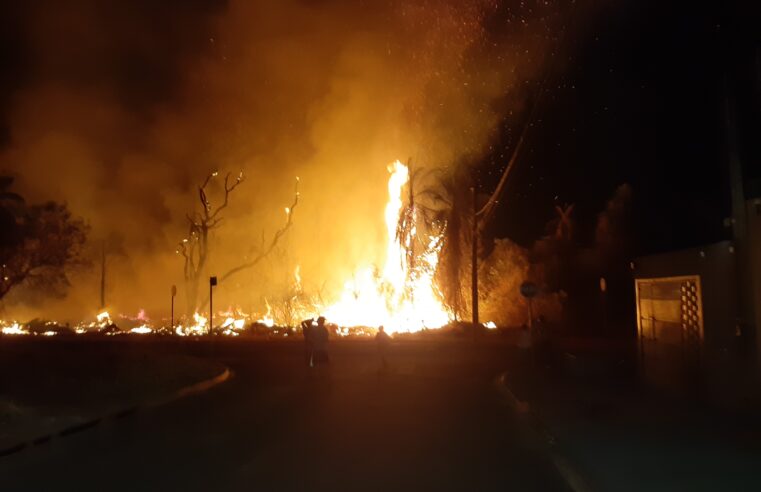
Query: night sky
{"type": "Point", "coordinates": [640, 102]}
{"type": "Point", "coordinates": [635, 97]}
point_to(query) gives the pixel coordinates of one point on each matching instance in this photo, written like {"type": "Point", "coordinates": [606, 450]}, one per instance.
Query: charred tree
{"type": "Point", "coordinates": [266, 248]}
{"type": "Point", "coordinates": [108, 246]}
{"type": "Point", "coordinates": [453, 193]}
{"type": "Point", "coordinates": [195, 248]}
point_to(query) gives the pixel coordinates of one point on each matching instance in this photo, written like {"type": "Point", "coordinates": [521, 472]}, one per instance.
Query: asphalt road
{"type": "Point", "coordinates": [433, 421]}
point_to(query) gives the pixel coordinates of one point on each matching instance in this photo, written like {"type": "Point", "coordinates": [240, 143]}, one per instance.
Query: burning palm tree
{"type": "Point", "coordinates": [439, 207]}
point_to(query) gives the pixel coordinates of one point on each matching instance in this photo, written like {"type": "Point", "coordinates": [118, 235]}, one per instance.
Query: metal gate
{"type": "Point", "coordinates": [670, 312]}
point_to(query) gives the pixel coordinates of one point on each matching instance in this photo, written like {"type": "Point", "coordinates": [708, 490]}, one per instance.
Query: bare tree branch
{"type": "Point", "coordinates": [270, 247]}
{"type": "Point", "coordinates": [195, 249]}
{"type": "Point", "coordinates": [208, 178]}
{"type": "Point", "coordinates": [228, 189]}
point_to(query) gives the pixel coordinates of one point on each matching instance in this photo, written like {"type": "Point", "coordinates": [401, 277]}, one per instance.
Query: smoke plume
{"type": "Point", "coordinates": [122, 110]}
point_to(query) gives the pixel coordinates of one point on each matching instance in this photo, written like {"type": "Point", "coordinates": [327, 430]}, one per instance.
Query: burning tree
{"type": "Point", "coordinates": [445, 204]}
{"type": "Point", "coordinates": [415, 215]}
{"type": "Point", "coordinates": [39, 244]}
{"type": "Point", "coordinates": [195, 248]}
{"type": "Point", "coordinates": [440, 207]}
{"type": "Point", "coordinates": [455, 257]}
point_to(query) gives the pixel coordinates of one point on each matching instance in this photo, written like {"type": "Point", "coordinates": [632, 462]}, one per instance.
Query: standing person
{"type": "Point", "coordinates": [307, 329]}
{"type": "Point", "coordinates": [320, 337]}
{"type": "Point", "coordinates": [382, 340]}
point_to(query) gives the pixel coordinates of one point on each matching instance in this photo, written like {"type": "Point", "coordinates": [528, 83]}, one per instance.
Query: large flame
{"type": "Point", "coordinates": [197, 328]}
{"type": "Point", "coordinates": [399, 299]}
{"type": "Point", "coordinates": [13, 328]}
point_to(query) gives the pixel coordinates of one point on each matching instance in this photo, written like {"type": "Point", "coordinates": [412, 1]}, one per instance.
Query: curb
{"type": "Point", "coordinates": [193, 389]}
{"type": "Point", "coordinates": [119, 414]}
{"type": "Point", "coordinates": [565, 468]}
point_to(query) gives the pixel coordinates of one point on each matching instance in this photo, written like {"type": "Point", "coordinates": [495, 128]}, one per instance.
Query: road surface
{"type": "Point", "coordinates": [433, 421]}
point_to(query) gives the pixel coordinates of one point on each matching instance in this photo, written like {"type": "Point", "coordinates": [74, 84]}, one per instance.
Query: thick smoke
{"type": "Point", "coordinates": [122, 111]}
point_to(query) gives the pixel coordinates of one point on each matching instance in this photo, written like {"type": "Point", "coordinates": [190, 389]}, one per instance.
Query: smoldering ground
{"type": "Point", "coordinates": [121, 109]}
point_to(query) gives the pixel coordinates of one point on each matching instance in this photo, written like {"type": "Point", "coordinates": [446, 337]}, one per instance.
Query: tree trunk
{"type": "Point", "coordinates": [191, 296]}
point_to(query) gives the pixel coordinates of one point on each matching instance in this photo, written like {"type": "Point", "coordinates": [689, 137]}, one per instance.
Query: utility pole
{"type": "Point", "coordinates": [174, 293]}
{"type": "Point", "coordinates": [474, 261]}
{"type": "Point", "coordinates": [529, 290]}
{"type": "Point", "coordinates": [102, 275]}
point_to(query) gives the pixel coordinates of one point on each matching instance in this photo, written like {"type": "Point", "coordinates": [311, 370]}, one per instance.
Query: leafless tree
{"type": "Point", "coordinates": [195, 248]}
{"type": "Point", "coordinates": [262, 251]}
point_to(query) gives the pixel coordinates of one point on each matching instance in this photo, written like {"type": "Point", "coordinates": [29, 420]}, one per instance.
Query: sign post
{"type": "Point", "coordinates": [212, 284]}
{"type": "Point", "coordinates": [174, 293]}
{"type": "Point", "coordinates": [529, 290]}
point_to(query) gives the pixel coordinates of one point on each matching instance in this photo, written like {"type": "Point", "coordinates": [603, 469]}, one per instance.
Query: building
{"type": "Point", "coordinates": [699, 309]}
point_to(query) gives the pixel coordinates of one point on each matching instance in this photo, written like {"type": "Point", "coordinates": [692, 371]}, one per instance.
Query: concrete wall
{"type": "Point", "coordinates": [753, 216]}
{"type": "Point", "coordinates": [715, 264]}
{"type": "Point", "coordinates": [726, 373]}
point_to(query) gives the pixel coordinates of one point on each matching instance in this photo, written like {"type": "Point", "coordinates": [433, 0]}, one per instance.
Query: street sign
{"type": "Point", "coordinates": [212, 283]}
{"type": "Point", "coordinates": [174, 290]}
{"type": "Point", "coordinates": [529, 290]}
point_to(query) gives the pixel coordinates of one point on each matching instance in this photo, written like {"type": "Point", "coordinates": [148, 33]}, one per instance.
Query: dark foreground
{"type": "Point", "coordinates": [432, 422]}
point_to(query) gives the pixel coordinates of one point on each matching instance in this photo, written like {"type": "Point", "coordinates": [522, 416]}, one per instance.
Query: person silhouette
{"type": "Point", "coordinates": [382, 341]}
{"type": "Point", "coordinates": [307, 329]}
{"type": "Point", "coordinates": [320, 336]}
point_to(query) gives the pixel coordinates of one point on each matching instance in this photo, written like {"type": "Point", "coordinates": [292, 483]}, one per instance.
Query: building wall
{"type": "Point", "coordinates": [753, 216]}
{"type": "Point", "coordinates": [720, 367]}
{"type": "Point", "coordinates": [667, 307]}
{"type": "Point", "coordinates": [715, 265]}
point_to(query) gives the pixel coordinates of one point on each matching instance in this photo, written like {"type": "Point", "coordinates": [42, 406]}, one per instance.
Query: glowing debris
{"type": "Point", "coordinates": [14, 329]}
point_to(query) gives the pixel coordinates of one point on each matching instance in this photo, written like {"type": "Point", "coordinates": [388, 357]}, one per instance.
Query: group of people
{"type": "Point", "coordinates": [316, 337]}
